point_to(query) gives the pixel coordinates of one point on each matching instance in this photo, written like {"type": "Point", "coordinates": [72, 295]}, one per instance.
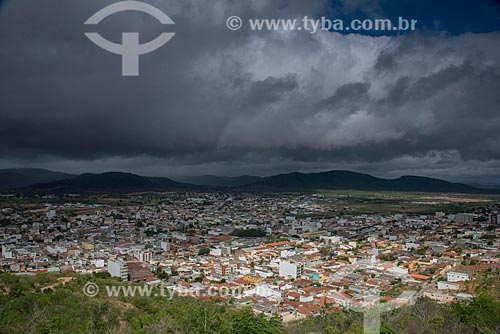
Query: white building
{"type": "Point", "coordinates": [495, 218]}
{"type": "Point", "coordinates": [179, 236]}
{"type": "Point", "coordinates": [464, 218]}
{"type": "Point", "coordinates": [225, 269]}
{"type": "Point", "coordinates": [215, 251]}
{"type": "Point", "coordinates": [398, 270]}
{"type": "Point", "coordinates": [165, 246]}
{"type": "Point", "coordinates": [411, 245]}
{"type": "Point", "coordinates": [99, 263]}
{"type": "Point", "coordinates": [287, 253]}
{"type": "Point", "coordinates": [51, 214]}
{"type": "Point", "coordinates": [454, 276]}
{"type": "Point", "coordinates": [6, 252]}
{"type": "Point", "coordinates": [142, 256]}
{"type": "Point", "coordinates": [264, 290]}
{"type": "Point", "coordinates": [447, 286]}
{"type": "Point", "coordinates": [118, 268]}
{"type": "Point", "coordinates": [291, 269]}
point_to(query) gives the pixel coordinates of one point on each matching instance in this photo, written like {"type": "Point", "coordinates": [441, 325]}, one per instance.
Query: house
{"type": "Point", "coordinates": [447, 286]}
{"type": "Point", "coordinates": [454, 276]}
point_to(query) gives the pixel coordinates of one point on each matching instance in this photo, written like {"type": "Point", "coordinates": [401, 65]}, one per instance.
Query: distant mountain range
{"type": "Point", "coordinates": [346, 180]}
{"type": "Point", "coordinates": [22, 177]}
{"type": "Point", "coordinates": [43, 181]}
{"type": "Point", "coordinates": [111, 182]}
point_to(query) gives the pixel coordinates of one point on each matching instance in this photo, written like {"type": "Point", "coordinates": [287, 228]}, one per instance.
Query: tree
{"type": "Point", "coordinates": [246, 322]}
{"type": "Point", "coordinates": [482, 314]}
{"type": "Point", "coordinates": [204, 251]}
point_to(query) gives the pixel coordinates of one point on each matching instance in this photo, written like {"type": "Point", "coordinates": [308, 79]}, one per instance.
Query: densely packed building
{"type": "Point", "coordinates": [285, 254]}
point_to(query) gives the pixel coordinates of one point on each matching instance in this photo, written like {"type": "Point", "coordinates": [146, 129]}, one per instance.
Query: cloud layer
{"type": "Point", "coordinates": [219, 101]}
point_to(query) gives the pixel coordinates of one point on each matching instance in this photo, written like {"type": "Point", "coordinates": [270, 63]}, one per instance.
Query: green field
{"type": "Point", "coordinates": [359, 202]}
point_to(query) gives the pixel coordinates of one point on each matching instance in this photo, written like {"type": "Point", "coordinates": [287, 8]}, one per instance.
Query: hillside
{"type": "Point", "coordinates": [347, 180]}
{"type": "Point", "coordinates": [111, 182]}
{"type": "Point", "coordinates": [118, 182]}
{"type": "Point", "coordinates": [55, 304]}
{"type": "Point", "coordinates": [47, 304]}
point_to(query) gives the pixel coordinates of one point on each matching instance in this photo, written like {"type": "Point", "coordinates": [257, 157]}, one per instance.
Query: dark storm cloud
{"type": "Point", "coordinates": [350, 94]}
{"type": "Point", "coordinates": [243, 102]}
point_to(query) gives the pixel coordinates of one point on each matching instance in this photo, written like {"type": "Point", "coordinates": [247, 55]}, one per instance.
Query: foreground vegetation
{"type": "Point", "coordinates": [53, 304]}
{"type": "Point", "coordinates": [481, 316]}
{"type": "Point", "coordinates": [46, 304]}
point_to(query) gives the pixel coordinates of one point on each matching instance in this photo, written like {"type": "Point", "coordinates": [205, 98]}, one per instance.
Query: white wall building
{"type": "Point", "coordinates": [291, 269]}
{"type": "Point", "coordinates": [6, 252]}
{"type": "Point", "coordinates": [411, 245]}
{"type": "Point", "coordinates": [51, 214]}
{"type": "Point", "coordinates": [398, 270]}
{"type": "Point", "coordinates": [165, 246]}
{"type": "Point", "coordinates": [464, 218]}
{"type": "Point", "coordinates": [142, 256]}
{"type": "Point", "coordinates": [99, 263]}
{"type": "Point", "coordinates": [454, 276]}
{"type": "Point", "coordinates": [495, 218]}
{"type": "Point", "coordinates": [264, 290]}
{"type": "Point", "coordinates": [447, 286]}
{"type": "Point", "coordinates": [215, 251]}
{"type": "Point", "coordinates": [118, 268]}
{"type": "Point", "coordinates": [225, 269]}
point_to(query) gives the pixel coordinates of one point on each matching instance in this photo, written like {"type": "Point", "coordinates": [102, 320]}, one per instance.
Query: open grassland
{"type": "Point", "coordinates": [358, 202]}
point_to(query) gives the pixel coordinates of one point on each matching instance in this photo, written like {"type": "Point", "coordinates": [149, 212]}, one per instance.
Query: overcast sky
{"type": "Point", "coordinates": [215, 101]}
